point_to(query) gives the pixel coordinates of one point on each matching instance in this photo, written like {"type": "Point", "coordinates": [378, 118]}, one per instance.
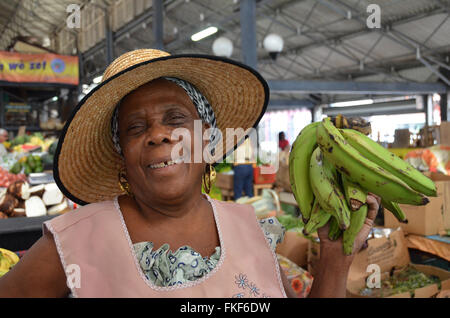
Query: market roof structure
{"type": "Point", "coordinates": [329, 49]}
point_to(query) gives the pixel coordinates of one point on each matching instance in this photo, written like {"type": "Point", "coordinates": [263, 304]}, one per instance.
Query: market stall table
{"type": "Point", "coordinates": [434, 244]}
{"type": "Point", "coordinates": [257, 188]}
{"type": "Point", "coordinates": [18, 234]}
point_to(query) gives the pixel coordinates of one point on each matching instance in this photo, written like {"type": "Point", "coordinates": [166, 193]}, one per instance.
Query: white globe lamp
{"type": "Point", "coordinates": [273, 43]}
{"type": "Point", "coordinates": [222, 46]}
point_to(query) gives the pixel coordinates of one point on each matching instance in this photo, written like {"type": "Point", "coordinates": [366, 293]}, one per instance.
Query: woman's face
{"type": "Point", "coordinates": [147, 118]}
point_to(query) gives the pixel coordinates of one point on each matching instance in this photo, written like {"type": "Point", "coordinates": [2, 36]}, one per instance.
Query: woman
{"type": "Point", "coordinates": [283, 143]}
{"type": "Point", "coordinates": [3, 138]}
{"type": "Point", "coordinates": [243, 170]}
{"type": "Point", "coordinates": [148, 231]}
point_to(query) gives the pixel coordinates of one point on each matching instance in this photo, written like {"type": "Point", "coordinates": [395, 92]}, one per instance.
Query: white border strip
{"type": "Point", "coordinates": [275, 258]}
{"type": "Point", "coordinates": [61, 254]}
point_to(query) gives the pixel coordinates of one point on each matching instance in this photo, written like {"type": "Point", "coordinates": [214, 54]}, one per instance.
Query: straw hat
{"type": "Point", "coordinates": [86, 163]}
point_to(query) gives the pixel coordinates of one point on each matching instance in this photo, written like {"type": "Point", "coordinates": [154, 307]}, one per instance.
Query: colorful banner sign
{"type": "Point", "coordinates": [38, 68]}
{"type": "Point", "coordinates": [17, 108]}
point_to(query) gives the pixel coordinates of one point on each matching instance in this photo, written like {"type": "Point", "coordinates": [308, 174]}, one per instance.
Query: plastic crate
{"type": "Point", "coordinates": [263, 178]}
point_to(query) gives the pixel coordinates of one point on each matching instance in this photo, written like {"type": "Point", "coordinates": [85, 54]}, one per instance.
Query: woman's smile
{"type": "Point", "coordinates": [165, 168]}
{"type": "Point", "coordinates": [164, 164]}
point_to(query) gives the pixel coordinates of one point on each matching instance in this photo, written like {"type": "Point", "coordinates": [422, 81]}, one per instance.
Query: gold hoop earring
{"type": "Point", "coordinates": [123, 182]}
{"type": "Point", "coordinates": [209, 177]}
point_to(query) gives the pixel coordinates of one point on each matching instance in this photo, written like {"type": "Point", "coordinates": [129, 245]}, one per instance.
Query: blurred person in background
{"type": "Point", "coordinates": [3, 138]}
{"type": "Point", "coordinates": [283, 143]}
{"type": "Point", "coordinates": [243, 170]}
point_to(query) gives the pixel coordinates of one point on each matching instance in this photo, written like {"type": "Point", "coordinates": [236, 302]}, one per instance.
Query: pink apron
{"type": "Point", "coordinates": [93, 243]}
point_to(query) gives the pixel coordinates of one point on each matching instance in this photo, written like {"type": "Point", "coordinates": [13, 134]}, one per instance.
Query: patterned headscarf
{"type": "Point", "coordinates": [204, 110]}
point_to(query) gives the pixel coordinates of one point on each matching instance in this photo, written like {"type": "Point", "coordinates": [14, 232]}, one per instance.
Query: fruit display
{"type": "Point", "coordinates": [406, 280]}
{"type": "Point", "coordinates": [7, 260]}
{"type": "Point", "coordinates": [19, 199]}
{"type": "Point", "coordinates": [6, 178]}
{"type": "Point", "coordinates": [332, 170]}
{"type": "Point", "coordinates": [47, 158]}
{"type": "Point", "coordinates": [26, 143]}
{"type": "Point", "coordinates": [28, 164]}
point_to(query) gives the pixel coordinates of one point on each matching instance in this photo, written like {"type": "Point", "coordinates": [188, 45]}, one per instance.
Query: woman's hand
{"type": "Point", "coordinates": [335, 247]}
{"type": "Point", "coordinates": [332, 269]}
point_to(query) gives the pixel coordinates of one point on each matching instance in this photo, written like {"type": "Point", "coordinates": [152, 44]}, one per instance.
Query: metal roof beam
{"type": "Point", "coordinates": [434, 70]}
{"type": "Point", "coordinates": [185, 36]}
{"type": "Point", "coordinates": [447, 67]}
{"type": "Point", "coordinates": [248, 32]}
{"type": "Point", "coordinates": [394, 35]}
{"type": "Point", "coordinates": [290, 103]}
{"type": "Point", "coordinates": [158, 30]}
{"type": "Point", "coordinates": [351, 87]}
{"type": "Point", "coordinates": [350, 35]}
{"type": "Point", "coordinates": [387, 108]}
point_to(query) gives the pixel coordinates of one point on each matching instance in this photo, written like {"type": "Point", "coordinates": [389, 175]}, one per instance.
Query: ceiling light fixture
{"type": "Point", "coordinates": [97, 80]}
{"type": "Point", "coordinates": [204, 33]}
{"type": "Point", "coordinates": [353, 103]}
{"type": "Point", "coordinates": [273, 43]}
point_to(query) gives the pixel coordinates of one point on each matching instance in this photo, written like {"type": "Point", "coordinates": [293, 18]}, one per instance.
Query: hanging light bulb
{"type": "Point", "coordinates": [273, 43]}
{"type": "Point", "coordinates": [46, 42]}
{"type": "Point", "coordinates": [222, 46]}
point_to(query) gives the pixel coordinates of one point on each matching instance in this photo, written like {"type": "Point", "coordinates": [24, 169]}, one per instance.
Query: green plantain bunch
{"type": "Point", "coordinates": [331, 172]}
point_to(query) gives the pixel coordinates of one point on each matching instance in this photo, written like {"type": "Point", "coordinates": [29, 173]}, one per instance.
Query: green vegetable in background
{"type": "Point", "coordinates": [47, 159]}
{"type": "Point", "coordinates": [39, 135]}
{"type": "Point", "coordinates": [405, 281]}
{"type": "Point", "coordinates": [27, 169]}
{"type": "Point", "coordinates": [290, 222]}
{"type": "Point", "coordinates": [19, 140]}
{"type": "Point", "coordinates": [223, 167]}
{"type": "Point", "coordinates": [52, 148]}
{"type": "Point", "coordinates": [16, 168]}
{"type": "Point", "coordinates": [31, 162]}
{"type": "Point", "coordinates": [39, 169]}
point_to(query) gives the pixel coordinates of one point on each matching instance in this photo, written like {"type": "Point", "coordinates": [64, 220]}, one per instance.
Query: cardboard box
{"type": "Point", "coordinates": [428, 291]}
{"type": "Point", "coordinates": [402, 138]}
{"type": "Point", "coordinates": [444, 133]}
{"type": "Point", "coordinates": [224, 181]}
{"type": "Point", "coordinates": [437, 176]}
{"type": "Point", "coordinates": [295, 248]}
{"type": "Point", "coordinates": [446, 210]}
{"type": "Point", "coordinates": [427, 219]}
{"type": "Point", "coordinates": [429, 136]}
{"type": "Point", "coordinates": [282, 178]}
{"type": "Point", "coordinates": [388, 249]}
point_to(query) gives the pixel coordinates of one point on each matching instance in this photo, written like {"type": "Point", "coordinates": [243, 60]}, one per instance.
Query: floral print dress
{"type": "Point", "coordinates": [164, 268]}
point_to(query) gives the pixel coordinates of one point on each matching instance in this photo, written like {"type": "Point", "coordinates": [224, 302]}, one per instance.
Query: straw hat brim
{"type": "Point", "coordinates": [86, 164]}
